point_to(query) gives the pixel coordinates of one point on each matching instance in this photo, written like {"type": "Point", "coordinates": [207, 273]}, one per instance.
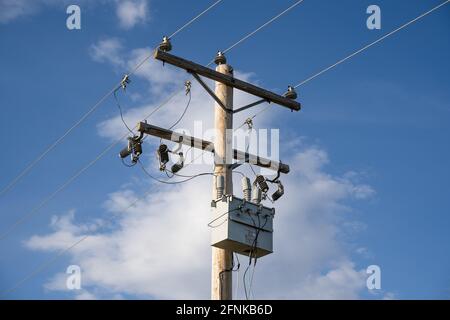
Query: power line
{"type": "Point", "coordinates": [184, 111]}
{"type": "Point", "coordinates": [45, 265]}
{"type": "Point", "coordinates": [261, 111]}
{"type": "Point", "coordinates": [262, 26]}
{"type": "Point", "coordinates": [54, 144]}
{"type": "Point", "coordinates": [27, 169]}
{"type": "Point", "coordinates": [48, 263]}
{"type": "Point", "coordinates": [34, 210]}
{"type": "Point", "coordinates": [359, 51]}
{"type": "Point", "coordinates": [371, 44]}
{"type": "Point", "coordinates": [42, 267]}
{"type": "Point", "coordinates": [121, 113]}
{"type": "Point", "coordinates": [172, 182]}
{"type": "Point", "coordinates": [195, 18]}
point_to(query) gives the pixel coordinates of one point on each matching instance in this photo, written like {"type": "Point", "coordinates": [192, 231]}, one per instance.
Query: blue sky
{"type": "Point", "coordinates": [373, 130]}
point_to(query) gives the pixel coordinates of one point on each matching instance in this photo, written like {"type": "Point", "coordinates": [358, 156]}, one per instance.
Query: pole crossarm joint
{"type": "Point", "coordinates": [250, 105]}
{"type": "Point", "coordinates": [211, 93]}
{"type": "Point", "coordinates": [226, 79]}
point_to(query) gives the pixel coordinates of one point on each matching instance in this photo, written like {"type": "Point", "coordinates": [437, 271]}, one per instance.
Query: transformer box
{"type": "Point", "coordinates": [242, 226]}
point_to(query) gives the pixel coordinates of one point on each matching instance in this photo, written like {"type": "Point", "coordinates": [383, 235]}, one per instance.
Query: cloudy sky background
{"type": "Point", "coordinates": [369, 174]}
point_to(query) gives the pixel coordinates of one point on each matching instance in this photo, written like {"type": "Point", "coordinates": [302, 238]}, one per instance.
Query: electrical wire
{"type": "Point", "coordinates": [195, 18]}
{"type": "Point", "coordinates": [221, 273]}
{"type": "Point", "coordinates": [127, 164]}
{"type": "Point", "coordinates": [54, 144]}
{"type": "Point", "coordinates": [121, 114]}
{"type": "Point", "coordinates": [247, 148]}
{"type": "Point", "coordinates": [13, 182]}
{"type": "Point", "coordinates": [361, 50]}
{"type": "Point", "coordinates": [42, 267]}
{"type": "Point", "coordinates": [45, 265]}
{"type": "Point", "coordinates": [27, 169]}
{"type": "Point", "coordinates": [184, 111]}
{"type": "Point", "coordinates": [34, 210]}
{"type": "Point", "coordinates": [251, 283]}
{"type": "Point", "coordinates": [371, 44]}
{"type": "Point", "coordinates": [172, 182]}
{"type": "Point", "coordinates": [237, 278]}
{"type": "Point", "coordinates": [252, 252]}
{"type": "Point", "coordinates": [262, 26]}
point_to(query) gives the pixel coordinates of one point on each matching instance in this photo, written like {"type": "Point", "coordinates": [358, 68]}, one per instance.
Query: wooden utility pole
{"type": "Point", "coordinates": [221, 274]}
{"type": "Point", "coordinates": [222, 147]}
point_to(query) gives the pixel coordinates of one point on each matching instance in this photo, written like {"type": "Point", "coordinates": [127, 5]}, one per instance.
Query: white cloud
{"type": "Point", "coordinates": [132, 12]}
{"type": "Point", "coordinates": [160, 248]}
{"type": "Point", "coordinates": [342, 282]}
{"type": "Point", "coordinates": [12, 9]}
{"type": "Point", "coordinates": [108, 50]}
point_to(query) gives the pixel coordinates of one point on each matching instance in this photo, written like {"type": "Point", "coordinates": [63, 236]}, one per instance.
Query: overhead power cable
{"type": "Point", "coordinates": [371, 44]}
{"type": "Point", "coordinates": [121, 113]}
{"type": "Point", "coordinates": [117, 141]}
{"type": "Point", "coordinates": [36, 209]}
{"type": "Point", "coordinates": [188, 92]}
{"type": "Point", "coordinates": [27, 169]}
{"type": "Point", "coordinates": [263, 25]}
{"type": "Point", "coordinates": [360, 51]}
{"type": "Point", "coordinates": [45, 265]}
{"type": "Point", "coordinates": [48, 263]}
{"type": "Point", "coordinates": [172, 182]}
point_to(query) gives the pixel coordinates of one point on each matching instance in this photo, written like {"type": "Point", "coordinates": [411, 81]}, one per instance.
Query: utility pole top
{"type": "Point", "coordinates": [220, 58]}
{"type": "Point", "coordinates": [227, 79]}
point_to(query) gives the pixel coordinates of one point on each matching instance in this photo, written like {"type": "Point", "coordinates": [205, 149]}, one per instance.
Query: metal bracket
{"type": "Point", "coordinates": [211, 93]}
{"type": "Point", "coordinates": [216, 98]}
{"type": "Point", "coordinates": [251, 105]}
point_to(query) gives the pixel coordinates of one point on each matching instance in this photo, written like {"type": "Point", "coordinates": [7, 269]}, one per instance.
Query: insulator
{"type": "Point", "coordinates": [125, 81]}
{"type": "Point", "coordinates": [187, 86]}
{"type": "Point", "coordinates": [277, 194]}
{"type": "Point", "coordinates": [262, 184]}
{"type": "Point", "coordinates": [291, 93]}
{"type": "Point", "coordinates": [137, 147]}
{"type": "Point", "coordinates": [165, 45]}
{"type": "Point", "coordinates": [256, 195]}
{"type": "Point", "coordinates": [246, 188]}
{"type": "Point", "coordinates": [220, 58]}
{"type": "Point", "coordinates": [220, 186]}
{"type": "Point", "coordinates": [125, 152]}
{"type": "Point", "coordinates": [163, 155]}
{"type": "Point", "coordinates": [179, 165]}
